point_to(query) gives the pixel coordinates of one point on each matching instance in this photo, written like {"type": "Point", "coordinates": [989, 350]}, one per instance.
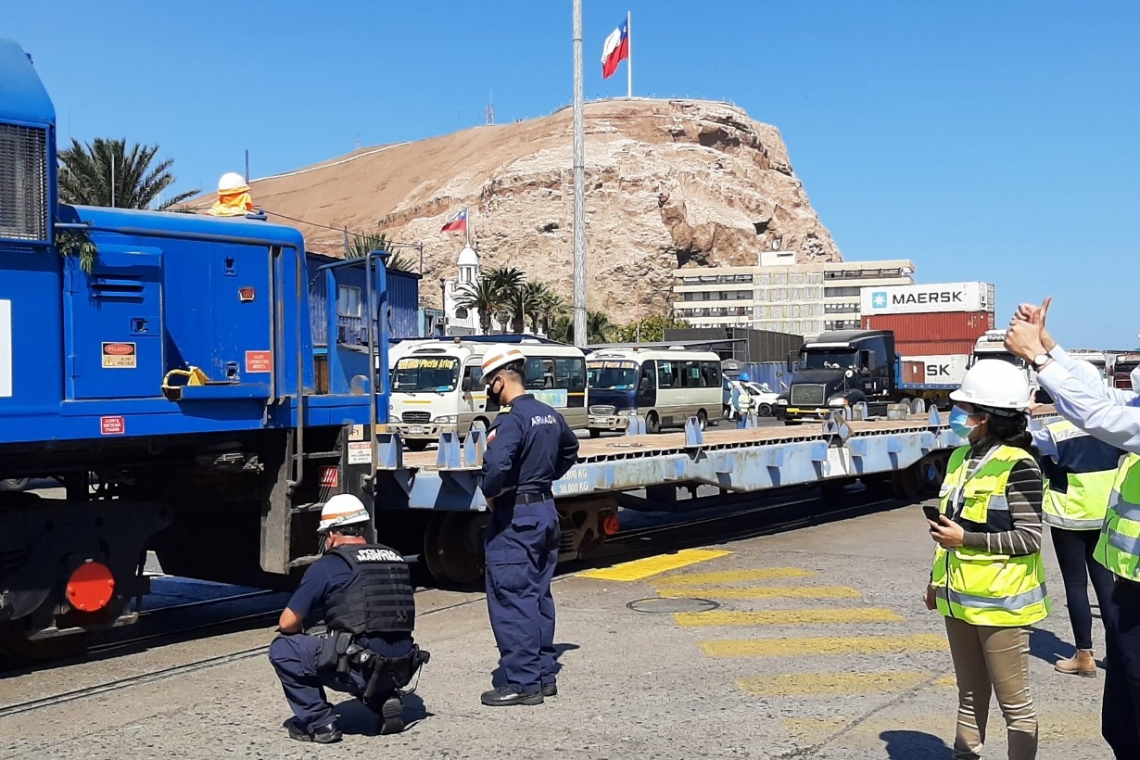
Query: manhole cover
{"type": "Point", "coordinates": [657, 605]}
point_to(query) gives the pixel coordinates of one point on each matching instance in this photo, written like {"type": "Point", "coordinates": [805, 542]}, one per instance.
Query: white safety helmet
{"type": "Point", "coordinates": [231, 182]}
{"type": "Point", "coordinates": [995, 384]}
{"type": "Point", "coordinates": [499, 356]}
{"type": "Point", "coordinates": [342, 509]}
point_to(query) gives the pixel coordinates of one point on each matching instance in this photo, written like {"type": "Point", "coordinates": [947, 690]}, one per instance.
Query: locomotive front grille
{"type": "Point", "coordinates": [23, 183]}
{"type": "Point", "coordinates": [807, 395]}
{"type": "Point", "coordinates": [416, 417]}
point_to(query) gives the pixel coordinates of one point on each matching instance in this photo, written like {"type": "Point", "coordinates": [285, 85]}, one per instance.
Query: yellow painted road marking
{"type": "Point", "coordinates": [826, 645]}
{"type": "Point", "coordinates": [787, 617]}
{"type": "Point", "coordinates": [950, 681]}
{"type": "Point", "coordinates": [765, 592]}
{"type": "Point", "coordinates": [640, 569]}
{"type": "Point", "coordinates": [735, 576]}
{"type": "Point", "coordinates": [831, 684]}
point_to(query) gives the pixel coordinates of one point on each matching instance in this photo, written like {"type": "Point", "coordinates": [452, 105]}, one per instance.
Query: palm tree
{"type": "Point", "coordinates": [598, 327]}
{"type": "Point", "coordinates": [364, 244]}
{"type": "Point", "coordinates": [561, 329]}
{"type": "Point", "coordinates": [481, 296]}
{"type": "Point", "coordinates": [533, 295]}
{"type": "Point", "coordinates": [508, 282]}
{"type": "Point", "coordinates": [550, 308]}
{"type": "Point", "coordinates": [107, 173]}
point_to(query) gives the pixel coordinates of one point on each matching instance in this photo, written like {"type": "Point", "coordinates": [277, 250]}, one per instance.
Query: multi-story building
{"type": "Point", "coordinates": [801, 299]}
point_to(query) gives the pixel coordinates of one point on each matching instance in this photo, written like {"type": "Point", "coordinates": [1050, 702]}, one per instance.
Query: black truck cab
{"type": "Point", "coordinates": [839, 369]}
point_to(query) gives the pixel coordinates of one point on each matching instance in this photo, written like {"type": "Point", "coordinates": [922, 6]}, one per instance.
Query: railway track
{"type": "Point", "coordinates": [771, 516]}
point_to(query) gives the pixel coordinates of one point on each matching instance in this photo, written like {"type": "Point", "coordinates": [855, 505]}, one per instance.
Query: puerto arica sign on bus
{"type": "Point", "coordinates": [914, 299]}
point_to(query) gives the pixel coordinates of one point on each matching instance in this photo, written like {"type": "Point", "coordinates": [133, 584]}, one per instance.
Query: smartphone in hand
{"type": "Point", "coordinates": [931, 513]}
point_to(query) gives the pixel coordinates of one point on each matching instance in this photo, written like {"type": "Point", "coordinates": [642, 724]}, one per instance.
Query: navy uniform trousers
{"type": "Point", "coordinates": [522, 550]}
{"type": "Point", "coordinates": [294, 657]}
{"type": "Point", "coordinates": [1120, 711]}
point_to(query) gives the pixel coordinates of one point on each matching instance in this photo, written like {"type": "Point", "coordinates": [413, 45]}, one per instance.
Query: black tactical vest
{"type": "Point", "coordinates": [378, 598]}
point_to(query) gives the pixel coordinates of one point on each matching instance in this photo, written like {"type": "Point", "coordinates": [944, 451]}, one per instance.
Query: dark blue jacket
{"type": "Point", "coordinates": [529, 446]}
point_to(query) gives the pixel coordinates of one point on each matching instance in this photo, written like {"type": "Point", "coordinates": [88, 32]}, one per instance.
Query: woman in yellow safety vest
{"type": "Point", "coordinates": [987, 578]}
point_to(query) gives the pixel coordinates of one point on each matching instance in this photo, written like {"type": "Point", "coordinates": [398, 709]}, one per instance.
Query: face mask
{"type": "Point", "coordinates": [1135, 377]}
{"type": "Point", "coordinates": [960, 422]}
{"type": "Point", "coordinates": [495, 397]}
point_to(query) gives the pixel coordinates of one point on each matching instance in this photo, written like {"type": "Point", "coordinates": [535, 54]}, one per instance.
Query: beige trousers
{"type": "Point", "coordinates": [992, 660]}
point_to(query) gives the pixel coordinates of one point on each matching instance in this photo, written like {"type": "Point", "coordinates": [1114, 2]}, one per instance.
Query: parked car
{"type": "Point", "coordinates": [763, 398]}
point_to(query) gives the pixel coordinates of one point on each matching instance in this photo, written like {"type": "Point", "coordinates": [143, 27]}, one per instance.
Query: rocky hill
{"type": "Point", "coordinates": [670, 183]}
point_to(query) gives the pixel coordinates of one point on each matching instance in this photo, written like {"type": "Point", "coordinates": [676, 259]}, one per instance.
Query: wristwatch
{"type": "Point", "coordinates": [1041, 360]}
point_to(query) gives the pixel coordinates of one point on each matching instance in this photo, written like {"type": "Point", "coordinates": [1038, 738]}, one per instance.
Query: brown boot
{"type": "Point", "coordinates": [1081, 664]}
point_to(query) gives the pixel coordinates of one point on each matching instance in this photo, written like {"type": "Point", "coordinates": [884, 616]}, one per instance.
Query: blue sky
{"type": "Point", "coordinates": [983, 141]}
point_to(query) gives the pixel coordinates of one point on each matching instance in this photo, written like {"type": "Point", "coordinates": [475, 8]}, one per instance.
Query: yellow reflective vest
{"type": "Point", "coordinates": [971, 584]}
{"type": "Point", "coordinates": [1077, 500]}
{"type": "Point", "coordinates": [1119, 546]}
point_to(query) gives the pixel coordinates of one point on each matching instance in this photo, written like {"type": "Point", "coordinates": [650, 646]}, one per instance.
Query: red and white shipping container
{"type": "Point", "coordinates": [924, 299]}
{"type": "Point", "coordinates": [935, 326]}
{"type": "Point", "coordinates": [934, 370]}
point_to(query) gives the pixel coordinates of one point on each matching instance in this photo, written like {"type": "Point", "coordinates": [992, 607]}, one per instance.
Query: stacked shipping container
{"type": "Point", "coordinates": [935, 326]}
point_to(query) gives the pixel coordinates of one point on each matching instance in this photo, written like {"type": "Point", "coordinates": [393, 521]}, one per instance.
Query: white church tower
{"type": "Point", "coordinates": [460, 320]}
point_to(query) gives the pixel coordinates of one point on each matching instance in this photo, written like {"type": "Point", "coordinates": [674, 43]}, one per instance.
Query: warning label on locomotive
{"type": "Point", "coordinates": [120, 356]}
{"type": "Point", "coordinates": [112, 425]}
{"type": "Point", "coordinates": [5, 349]}
{"type": "Point", "coordinates": [330, 477]}
{"type": "Point", "coordinates": [360, 453]}
{"type": "Point", "coordinates": [258, 362]}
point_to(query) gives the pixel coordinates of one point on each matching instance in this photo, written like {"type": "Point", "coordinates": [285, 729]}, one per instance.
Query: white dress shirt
{"type": "Point", "coordinates": [1081, 397]}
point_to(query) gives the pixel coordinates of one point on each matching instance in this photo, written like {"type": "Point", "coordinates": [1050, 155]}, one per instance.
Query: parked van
{"type": "Point", "coordinates": [665, 387]}
{"type": "Point", "coordinates": [437, 387]}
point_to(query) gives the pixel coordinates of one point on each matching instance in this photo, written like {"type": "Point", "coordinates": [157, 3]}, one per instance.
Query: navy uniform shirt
{"type": "Point", "coordinates": [325, 576]}
{"type": "Point", "coordinates": [529, 446]}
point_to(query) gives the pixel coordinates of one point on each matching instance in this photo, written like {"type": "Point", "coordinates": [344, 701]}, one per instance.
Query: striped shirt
{"type": "Point", "coordinates": [1025, 493]}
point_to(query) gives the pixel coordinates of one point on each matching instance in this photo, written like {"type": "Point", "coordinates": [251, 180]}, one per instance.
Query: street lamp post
{"type": "Point", "coordinates": [443, 303]}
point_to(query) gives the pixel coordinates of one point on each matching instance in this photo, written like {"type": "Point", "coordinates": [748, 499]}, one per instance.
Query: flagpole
{"type": "Point", "coordinates": [580, 337]}
{"type": "Point", "coordinates": [629, 61]}
{"type": "Point", "coordinates": [467, 226]}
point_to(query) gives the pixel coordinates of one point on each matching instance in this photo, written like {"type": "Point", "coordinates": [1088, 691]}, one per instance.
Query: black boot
{"type": "Point", "coordinates": [391, 714]}
{"type": "Point", "coordinates": [504, 696]}
{"type": "Point", "coordinates": [550, 690]}
{"type": "Point", "coordinates": [326, 734]}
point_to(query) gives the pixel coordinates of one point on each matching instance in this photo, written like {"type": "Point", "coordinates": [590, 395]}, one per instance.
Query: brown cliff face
{"type": "Point", "coordinates": [668, 184]}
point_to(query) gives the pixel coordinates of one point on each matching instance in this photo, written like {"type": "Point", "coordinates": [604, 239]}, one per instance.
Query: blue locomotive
{"type": "Point", "coordinates": [163, 368]}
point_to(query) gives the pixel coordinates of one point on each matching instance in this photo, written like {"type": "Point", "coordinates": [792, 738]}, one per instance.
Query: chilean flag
{"type": "Point", "coordinates": [615, 50]}
{"type": "Point", "coordinates": [457, 222]}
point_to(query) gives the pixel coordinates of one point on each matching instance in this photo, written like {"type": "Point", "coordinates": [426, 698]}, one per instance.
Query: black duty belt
{"type": "Point", "coordinates": [532, 498]}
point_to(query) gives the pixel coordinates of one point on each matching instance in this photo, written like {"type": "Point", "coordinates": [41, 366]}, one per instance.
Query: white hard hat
{"type": "Point", "coordinates": [499, 356]}
{"type": "Point", "coordinates": [230, 182]}
{"type": "Point", "coordinates": [996, 384]}
{"type": "Point", "coordinates": [342, 509]}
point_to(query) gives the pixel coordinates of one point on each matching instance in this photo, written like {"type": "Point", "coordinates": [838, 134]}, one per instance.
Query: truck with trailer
{"type": "Point", "coordinates": [174, 386]}
{"type": "Point", "coordinates": [846, 369]}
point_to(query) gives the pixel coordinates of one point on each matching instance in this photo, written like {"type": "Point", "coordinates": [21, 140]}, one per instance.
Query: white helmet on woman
{"type": "Point", "coordinates": [342, 509]}
{"type": "Point", "coordinates": [994, 384]}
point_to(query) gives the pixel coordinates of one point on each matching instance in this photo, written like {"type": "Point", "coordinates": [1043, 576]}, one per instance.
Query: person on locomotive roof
{"type": "Point", "coordinates": [363, 592]}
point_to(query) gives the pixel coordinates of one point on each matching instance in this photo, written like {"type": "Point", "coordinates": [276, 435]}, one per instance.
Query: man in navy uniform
{"type": "Point", "coordinates": [364, 594]}
{"type": "Point", "coordinates": [529, 446]}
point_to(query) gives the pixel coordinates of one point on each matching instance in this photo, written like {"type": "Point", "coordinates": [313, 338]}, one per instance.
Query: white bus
{"type": "Point", "coordinates": [437, 387]}
{"type": "Point", "coordinates": [665, 387]}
